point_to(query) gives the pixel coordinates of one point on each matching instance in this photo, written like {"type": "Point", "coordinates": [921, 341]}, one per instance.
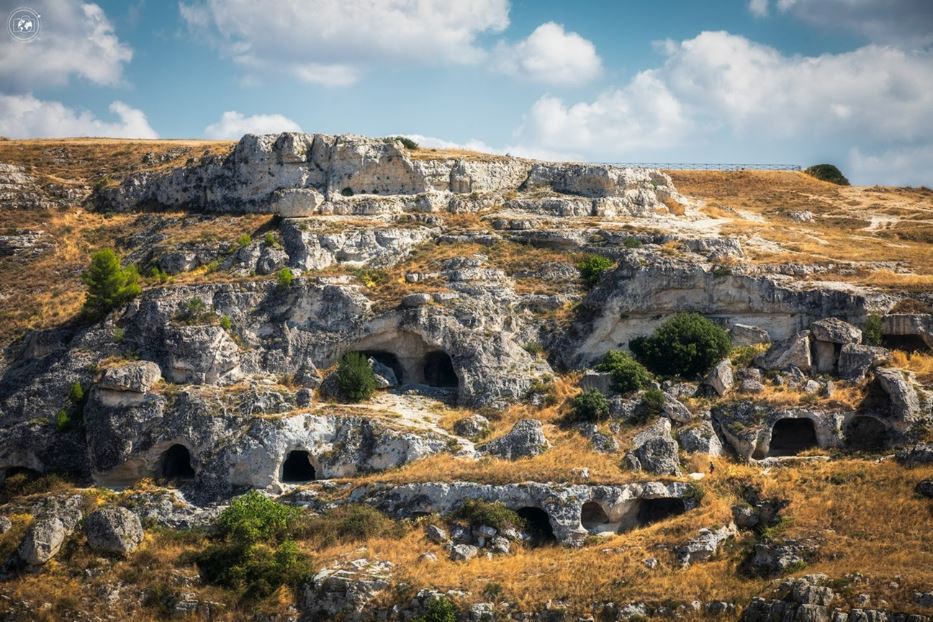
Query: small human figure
{"type": "Point", "coordinates": [712, 468]}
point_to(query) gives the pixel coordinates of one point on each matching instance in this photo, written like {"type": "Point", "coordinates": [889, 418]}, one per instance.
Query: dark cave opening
{"type": "Point", "coordinates": [176, 463]}
{"type": "Point", "coordinates": [653, 510]}
{"type": "Point", "coordinates": [792, 436]}
{"type": "Point", "coordinates": [593, 516]}
{"type": "Point", "coordinates": [537, 524]}
{"type": "Point", "coordinates": [866, 434]}
{"type": "Point", "coordinates": [439, 370]}
{"type": "Point", "coordinates": [297, 467]}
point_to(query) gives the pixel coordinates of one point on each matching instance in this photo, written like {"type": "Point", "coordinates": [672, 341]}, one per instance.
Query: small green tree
{"type": "Point", "coordinates": [627, 373]}
{"type": "Point", "coordinates": [285, 277]}
{"type": "Point", "coordinates": [653, 399]}
{"type": "Point", "coordinates": [76, 392]}
{"type": "Point", "coordinates": [592, 267]}
{"type": "Point", "coordinates": [355, 377]}
{"type": "Point", "coordinates": [591, 405]}
{"type": "Point", "coordinates": [827, 172]}
{"type": "Point", "coordinates": [440, 609]}
{"type": "Point", "coordinates": [254, 517]}
{"type": "Point", "coordinates": [62, 420]}
{"type": "Point", "coordinates": [871, 332]}
{"type": "Point", "coordinates": [685, 345]}
{"type": "Point", "coordinates": [109, 285]}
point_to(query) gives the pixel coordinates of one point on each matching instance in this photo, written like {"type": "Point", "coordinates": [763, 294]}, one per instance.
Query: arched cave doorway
{"type": "Point", "coordinates": [176, 463]}
{"type": "Point", "coordinates": [439, 370]}
{"type": "Point", "coordinates": [653, 510]}
{"type": "Point", "coordinates": [388, 359]}
{"type": "Point", "coordinates": [866, 434]}
{"type": "Point", "coordinates": [594, 518]}
{"type": "Point", "coordinates": [537, 524]}
{"type": "Point", "coordinates": [792, 436]}
{"type": "Point", "coordinates": [297, 467]}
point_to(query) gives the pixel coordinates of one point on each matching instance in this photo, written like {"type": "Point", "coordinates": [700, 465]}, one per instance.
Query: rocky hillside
{"type": "Point", "coordinates": [368, 382]}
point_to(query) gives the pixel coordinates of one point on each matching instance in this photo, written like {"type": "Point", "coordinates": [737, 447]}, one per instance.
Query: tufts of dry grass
{"type": "Point", "coordinates": [921, 363]}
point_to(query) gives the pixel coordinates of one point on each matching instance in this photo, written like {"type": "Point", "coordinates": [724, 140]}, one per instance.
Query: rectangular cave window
{"type": "Point", "coordinates": [789, 437]}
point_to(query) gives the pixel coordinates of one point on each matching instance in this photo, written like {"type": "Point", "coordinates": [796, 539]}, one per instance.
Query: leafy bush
{"type": "Point", "coordinates": [871, 331]}
{"type": "Point", "coordinates": [109, 285]}
{"type": "Point", "coordinates": [158, 275]}
{"type": "Point", "coordinates": [439, 610]}
{"type": "Point", "coordinates": [632, 242]}
{"type": "Point", "coordinates": [686, 345]}
{"type": "Point", "coordinates": [243, 240]}
{"type": "Point", "coordinates": [542, 391]}
{"type": "Point", "coordinates": [194, 311]}
{"type": "Point", "coordinates": [62, 420]}
{"type": "Point", "coordinates": [627, 373]}
{"type": "Point", "coordinates": [407, 142]}
{"type": "Point", "coordinates": [255, 554]}
{"type": "Point", "coordinates": [591, 268]}
{"type": "Point", "coordinates": [370, 277]}
{"type": "Point", "coordinates": [355, 377]}
{"type": "Point", "coordinates": [225, 322]}
{"type": "Point", "coordinates": [271, 239]}
{"type": "Point", "coordinates": [653, 399]}
{"type": "Point", "coordinates": [591, 405]}
{"type": "Point", "coordinates": [253, 517]}
{"type": "Point", "coordinates": [76, 393]}
{"type": "Point", "coordinates": [827, 172]}
{"type": "Point", "coordinates": [285, 277]}
{"type": "Point", "coordinates": [476, 513]}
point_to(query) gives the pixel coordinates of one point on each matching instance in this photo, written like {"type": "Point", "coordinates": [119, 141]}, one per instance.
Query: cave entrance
{"type": "Point", "coordinates": [594, 518]}
{"type": "Point", "coordinates": [792, 436]}
{"type": "Point", "coordinates": [537, 525]}
{"type": "Point", "coordinates": [388, 359]}
{"type": "Point", "coordinates": [176, 463]}
{"type": "Point", "coordinates": [866, 434]}
{"type": "Point", "coordinates": [297, 467]}
{"type": "Point", "coordinates": [439, 370]}
{"type": "Point", "coordinates": [653, 510]}
{"type": "Point", "coordinates": [907, 343]}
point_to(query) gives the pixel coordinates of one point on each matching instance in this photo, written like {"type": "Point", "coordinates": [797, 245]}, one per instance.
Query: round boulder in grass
{"type": "Point", "coordinates": [113, 530]}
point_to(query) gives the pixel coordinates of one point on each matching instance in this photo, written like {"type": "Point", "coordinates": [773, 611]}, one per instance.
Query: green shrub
{"type": "Point", "coordinates": [591, 268]}
{"type": "Point", "coordinates": [271, 239]}
{"type": "Point", "coordinates": [159, 275]}
{"type": "Point", "coordinates": [254, 517]}
{"type": "Point", "coordinates": [253, 570]}
{"type": "Point", "coordinates": [827, 172]}
{"type": "Point", "coordinates": [109, 285]}
{"type": "Point", "coordinates": [544, 389]}
{"type": "Point", "coordinates": [632, 242]}
{"type": "Point", "coordinates": [118, 334]}
{"type": "Point", "coordinates": [355, 377]}
{"type": "Point", "coordinates": [439, 610]}
{"type": "Point", "coordinates": [225, 322]}
{"type": "Point", "coordinates": [285, 277]}
{"type": "Point", "coordinates": [370, 277]}
{"type": "Point", "coordinates": [627, 373]}
{"type": "Point", "coordinates": [62, 420]}
{"type": "Point", "coordinates": [534, 348]}
{"type": "Point", "coordinates": [76, 393]}
{"type": "Point", "coordinates": [243, 240]}
{"type": "Point", "coordinates": [685, 345]}
{"type": "Point", "coordinates": [194, 311]}
{"type": "Point", "coordinates": [871, 331]}
{"type": "Point", "coordinates": [653, 399]}
{"type": "Point", "coordinates": [591, 405]}
{"type": "Point", "coordinates": [407, 142]}
{"type": "Point", "coordinates": [495, 514]}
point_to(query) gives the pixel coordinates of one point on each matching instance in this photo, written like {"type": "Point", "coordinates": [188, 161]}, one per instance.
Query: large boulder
{"type": "Point", "coordinates": [525, 439]}
{"type": "Point", "coordinates": [705, 545]}
{"type": "Point", "coordinates": [472, 427]}
{"type": "Point", "coordinates": [700, 439]}
{"type": "Point", "coordinates": [918, 455]}
{"type": "Point", "coordinates": [903, 401]}
{"type": "Point", "coordinates": [792, 352]}
{"type": "Point", "coordinates": [855, 360]}
{"type": "Point", "coordinates": [56, 518]}
{"type": "Point", "coordinates": [720, 378]}
{"type": "Point", "coordinates": [201, 355]}
{"type": "Point", "coordinates": [134, 377]}
{"type": "Point", "coordinates": [113, 530]}
{"type": "Point", "coordinates": [746, 335]}
{"type": "Point", "coordinates": [654, 450]}
{"type": "Point", "coordinates": [344, 590]}
{"type": "Point", "coordinates": [834, 330]}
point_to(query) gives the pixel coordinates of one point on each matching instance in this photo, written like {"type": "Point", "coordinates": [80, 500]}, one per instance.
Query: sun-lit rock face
{"type": "Point", "coordinates": [296, 175]}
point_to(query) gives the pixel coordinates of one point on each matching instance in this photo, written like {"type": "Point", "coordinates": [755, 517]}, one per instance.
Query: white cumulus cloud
{"type": "Point", "coordinates": [24, 116]}
{"type": "Point", "coordinates": [332, 42]}
{"type": "Point", "coordinates": [550, 55]}
{"type": "Point", "coordinates": [75, 40]}
{"type": "Point", "coordinates": [901, 166]}
{"type": "Point", "coordinates": [758, 8]}
{"type": "Point", "coordinates": [723, 89]}
{"type": "Point", "coordinates": [234, 124]}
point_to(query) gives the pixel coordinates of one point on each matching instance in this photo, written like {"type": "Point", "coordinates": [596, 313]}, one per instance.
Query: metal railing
{"type": "Point", "coordinates": [710, 166]}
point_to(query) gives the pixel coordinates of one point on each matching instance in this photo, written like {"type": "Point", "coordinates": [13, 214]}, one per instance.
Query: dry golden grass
{"type": "Point", "coordinates": [851, 223]}
{"type": "Point", "coordinates": [921, 363]}
{"type": "Point", "coordinates": [426, 153]}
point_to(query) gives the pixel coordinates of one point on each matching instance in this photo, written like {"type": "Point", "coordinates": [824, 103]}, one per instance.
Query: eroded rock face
{"type": "Point", "coordinates": [344, 590]}
{"type": "Point", "coordinates": [655, 450]}
{"type": "Point", "coordinates": [620, 507]}
{"type": "Point", "coordinates": [524, 440]}
{"type": "Point", "coordinates": [56, 519]}
{"type": "Point", "coordinates": [297, 175]}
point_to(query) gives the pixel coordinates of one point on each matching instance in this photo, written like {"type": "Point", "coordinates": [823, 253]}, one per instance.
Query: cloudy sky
{"type": "Point", "coordinates": [785, 81]}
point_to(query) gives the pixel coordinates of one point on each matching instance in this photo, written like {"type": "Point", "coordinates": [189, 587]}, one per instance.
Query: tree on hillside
{"type": "Point", "coordinates": [109, 284]}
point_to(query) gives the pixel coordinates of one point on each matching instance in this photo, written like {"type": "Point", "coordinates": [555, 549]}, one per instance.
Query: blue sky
{"type": "Point", "coordinates": [796, 81]}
